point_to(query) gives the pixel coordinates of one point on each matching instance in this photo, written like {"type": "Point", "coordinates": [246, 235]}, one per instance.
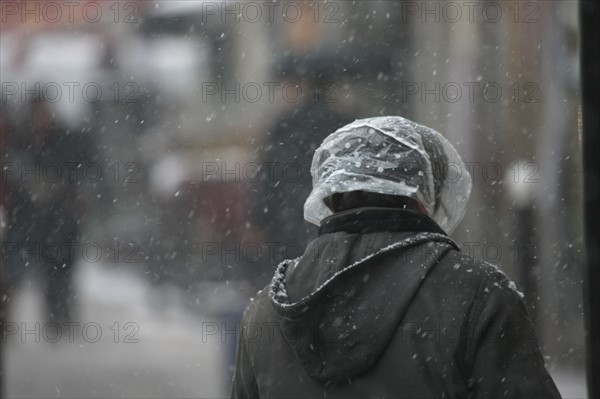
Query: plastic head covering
{"type": "Point", "coordinates": [390, 155]}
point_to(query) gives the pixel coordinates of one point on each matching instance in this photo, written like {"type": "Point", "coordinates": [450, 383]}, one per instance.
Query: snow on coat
{"type": "Point", "coordinates": [383, 304]}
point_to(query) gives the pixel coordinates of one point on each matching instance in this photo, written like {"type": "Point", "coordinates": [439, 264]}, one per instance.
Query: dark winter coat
{"type": "Point", "coordinates": [384, 304]}
{"type": "Point", "coordinates": [286, 181]}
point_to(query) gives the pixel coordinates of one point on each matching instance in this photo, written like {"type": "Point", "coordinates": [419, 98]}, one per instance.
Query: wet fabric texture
{"type": "Point", "coordinates": [383, 305]}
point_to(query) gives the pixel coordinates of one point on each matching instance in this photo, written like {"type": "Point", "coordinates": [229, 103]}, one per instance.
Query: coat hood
{"type": "Point", "coordinates": [342, 301]}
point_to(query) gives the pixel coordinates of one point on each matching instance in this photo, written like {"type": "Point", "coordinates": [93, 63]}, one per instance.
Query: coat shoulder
{"type": "Point", "coordinates": [258, 306]}
{"type": "Point", "coordinates": [487, 277]}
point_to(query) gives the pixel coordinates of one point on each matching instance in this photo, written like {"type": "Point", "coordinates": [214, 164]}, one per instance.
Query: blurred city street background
{"type": "Point", "coordinates": [155, 160]}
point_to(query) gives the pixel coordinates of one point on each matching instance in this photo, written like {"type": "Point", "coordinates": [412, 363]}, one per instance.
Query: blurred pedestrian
{"type": "Point", "coordinates": [43, 167]}
{"type": "Point", "coordinates": [290, 142]}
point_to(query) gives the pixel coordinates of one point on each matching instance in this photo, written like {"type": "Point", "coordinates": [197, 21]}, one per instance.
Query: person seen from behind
{"type": "Point", "coordinates": [383, 303]}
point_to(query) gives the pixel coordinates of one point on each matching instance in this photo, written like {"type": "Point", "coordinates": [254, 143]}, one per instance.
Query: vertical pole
{"type": "Point", "coordinates": [589, 17]}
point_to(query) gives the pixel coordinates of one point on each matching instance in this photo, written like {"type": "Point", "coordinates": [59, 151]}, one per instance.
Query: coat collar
{"type": "Point", "coordinates": [374, 219]}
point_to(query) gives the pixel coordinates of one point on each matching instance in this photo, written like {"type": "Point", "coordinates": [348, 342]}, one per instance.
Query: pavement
{"type": "Point", "coordinates": [124, 345]}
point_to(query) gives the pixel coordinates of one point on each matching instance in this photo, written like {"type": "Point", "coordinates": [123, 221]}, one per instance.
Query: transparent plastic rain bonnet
{"type": "Point", "coordinates": [390, 155]}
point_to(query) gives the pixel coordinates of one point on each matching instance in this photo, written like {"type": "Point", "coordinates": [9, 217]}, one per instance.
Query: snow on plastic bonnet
{"type": "Point", "coordinates": [391, 155]}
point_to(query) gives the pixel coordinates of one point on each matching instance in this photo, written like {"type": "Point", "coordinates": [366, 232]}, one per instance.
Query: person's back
{"type": "Point", "coordinates": [384, 304]}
